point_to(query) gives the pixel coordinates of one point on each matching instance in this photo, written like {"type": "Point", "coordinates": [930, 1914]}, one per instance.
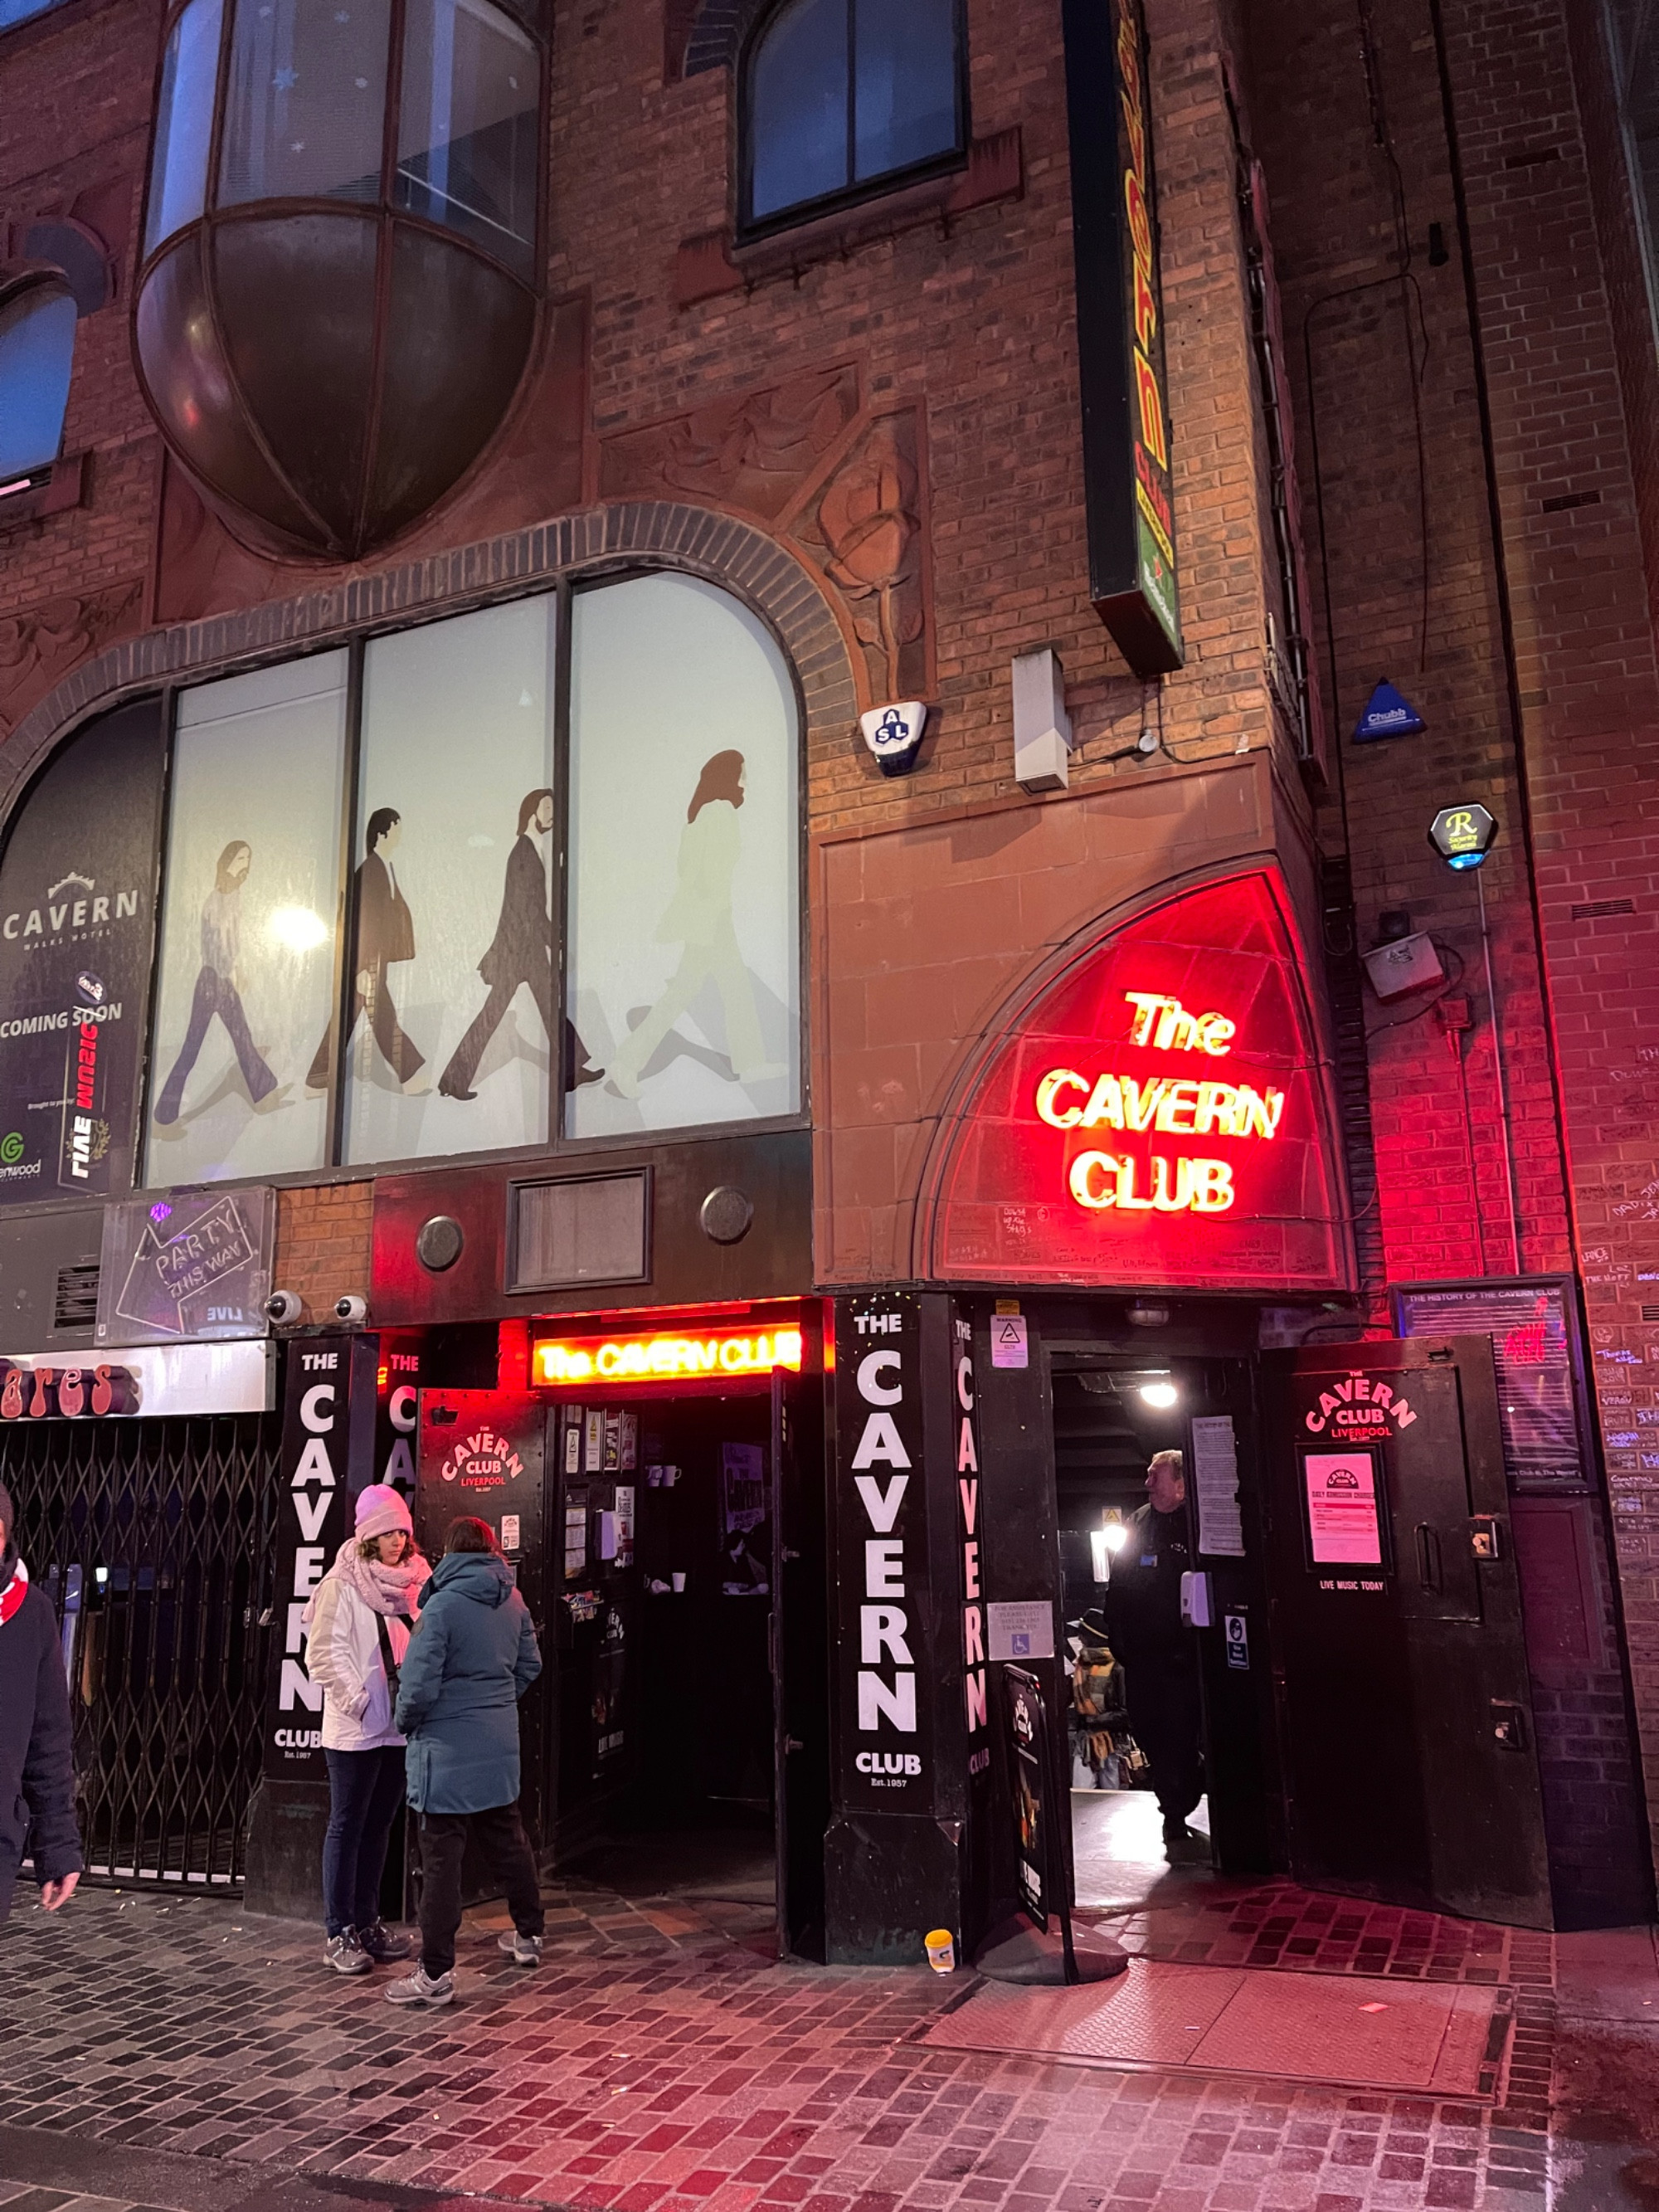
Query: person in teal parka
{"type": "Point", "coordinates": [471, 1657]}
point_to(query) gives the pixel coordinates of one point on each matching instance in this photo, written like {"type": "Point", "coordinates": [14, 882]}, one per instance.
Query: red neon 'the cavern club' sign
{"type": "Point", "coordinates": [1159, 1116]}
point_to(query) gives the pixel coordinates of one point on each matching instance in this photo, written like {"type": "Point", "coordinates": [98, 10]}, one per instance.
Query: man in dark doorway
{"type": "Point", "coordinates": [1159, 1656]}
{"type": "Point", "coordinates": [520, 952]}
{"type": "Point", "coordinates": [386, 934]}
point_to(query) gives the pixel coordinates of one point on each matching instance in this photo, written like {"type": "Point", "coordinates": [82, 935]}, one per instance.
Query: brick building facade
{"type": "Point", "coordinates": [1411, 220]}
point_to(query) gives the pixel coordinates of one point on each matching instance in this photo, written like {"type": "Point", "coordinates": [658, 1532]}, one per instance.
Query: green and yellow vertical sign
{"type": "Point", "coordinates": [1133, 572]}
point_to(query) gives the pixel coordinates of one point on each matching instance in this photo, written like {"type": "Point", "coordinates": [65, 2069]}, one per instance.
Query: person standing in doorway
{"type": "Point", "coordinates": [472, 1656]}
{"type": "Point", "coordinates": [385, 935]}
{"type": "Point", "coordinates": [219, 989]}
{"type": "Point", "coordinates": [357, 1624]}
{"type": "Point", "coordinates": [519, 954]}
{"type": "Point", "coordinates": [1159, 1655]}
{"type": "Point", "coordinates": [36, 1780]}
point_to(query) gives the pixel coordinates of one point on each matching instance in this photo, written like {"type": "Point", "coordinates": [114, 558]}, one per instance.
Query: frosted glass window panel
{"type": "Point", "coordinates": [904, 98]}
{"type": "Point", "coordinates": [683, 982]}
{"type": "Point", "coordinates": [246, 978]}
{"type": "Point", "coordinates": [457, 743]}
{"type": "Point", "coordinates": [184, 122]}
{"type": "Point", "coordinates": [305, 110]}
{"type": "Point", "coordinates": [798, 107]}
{"type": "Point", "coordinates": [469, 126]}
{"type": "Point", "coordinates": [19, 11]}
{"type": "Point", "coordinates": [37, 352]}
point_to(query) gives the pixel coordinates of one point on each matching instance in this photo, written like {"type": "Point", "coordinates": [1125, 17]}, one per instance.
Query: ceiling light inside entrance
{"type": "Point", "coordinates": [1161, 1394]}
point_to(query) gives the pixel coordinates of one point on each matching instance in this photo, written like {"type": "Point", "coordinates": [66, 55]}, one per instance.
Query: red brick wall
{"type": "Point", "coordinates": [323, 1236]}
{"type": "Point", "coordinates": [75, 95]}
{"type": "Point", "coordinates": [1553, 297]}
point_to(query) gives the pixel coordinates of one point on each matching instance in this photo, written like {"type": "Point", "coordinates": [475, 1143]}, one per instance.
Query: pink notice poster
{"type": "Point", "coordinates": [1343, 1526]}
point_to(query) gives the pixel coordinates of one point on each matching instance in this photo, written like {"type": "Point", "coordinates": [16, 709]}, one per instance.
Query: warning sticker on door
{"type": "Point", "coordinates": [1343, 1524]}
{"type": "Point", "coordinates": [1010, 1342]}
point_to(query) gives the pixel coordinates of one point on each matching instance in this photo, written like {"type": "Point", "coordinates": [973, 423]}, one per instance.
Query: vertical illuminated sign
{"type": "Point", "coordinates": [1119, 326]}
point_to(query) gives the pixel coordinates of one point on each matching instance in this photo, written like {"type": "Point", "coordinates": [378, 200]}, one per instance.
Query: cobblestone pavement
{"type": "Point", "coordinates": [660, 2061]}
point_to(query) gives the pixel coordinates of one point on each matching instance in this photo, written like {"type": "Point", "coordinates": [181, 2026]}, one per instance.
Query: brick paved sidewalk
{"type": "Point", "coordinates": [673, 2067]}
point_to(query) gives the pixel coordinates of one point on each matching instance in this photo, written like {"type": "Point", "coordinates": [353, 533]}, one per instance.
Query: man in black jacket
{"type": "Point", "coordinates": [1159, 1654]}
{"type": "Point", "coordinates": [37, 1782]}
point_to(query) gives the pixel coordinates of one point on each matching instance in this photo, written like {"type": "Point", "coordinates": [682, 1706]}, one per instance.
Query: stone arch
{"type": "Point", "coordinates": [664, 533]}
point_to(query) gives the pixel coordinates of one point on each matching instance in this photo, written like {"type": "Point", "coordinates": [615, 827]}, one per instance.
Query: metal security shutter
{"type": "Point", "coordinates": [153, 1539]}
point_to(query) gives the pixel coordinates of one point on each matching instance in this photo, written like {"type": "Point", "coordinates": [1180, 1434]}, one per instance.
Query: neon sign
{"type": "Point", "coordinates": [1158, 1114]}
{"type": "Point", "coordinates": [666, 1356]}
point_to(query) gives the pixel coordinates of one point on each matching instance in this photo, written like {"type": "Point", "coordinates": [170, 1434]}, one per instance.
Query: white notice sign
{"type": "Point", "coordinates": [1343, 1528]}
{"type": "Point", "coordinates": [1021, 1631]}
{"type": "Point", "coordinates": [1215, 1477]}
{"type": "Point", "coordinates": [1010, 1342]}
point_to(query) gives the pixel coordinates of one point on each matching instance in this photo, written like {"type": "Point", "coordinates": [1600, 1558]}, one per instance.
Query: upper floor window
{"type": "Point", "coordinates": [1633, 43]}
{"type": "Point", "coordinates": [841, 98]}
{"type": "Point", "coordinates": [20, 11]}
{"type": "Point", "coordinates": [37, 347]}
{"type": "Point", "coordinates": [305, 114]}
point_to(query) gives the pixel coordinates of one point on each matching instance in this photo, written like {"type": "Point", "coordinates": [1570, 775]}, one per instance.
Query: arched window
{"type": "Point", "coordinates": [844, 97]}
{"type": "Point", "coordinates": [37, 345]}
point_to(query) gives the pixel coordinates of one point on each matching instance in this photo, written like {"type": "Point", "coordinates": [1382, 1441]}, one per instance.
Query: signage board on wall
{"type": "Point", "coordinates": [1128, 493]}
{"type": "Point", "coordinates": [77, 917]}
{"type": "Point", "coordinates": [190, 1264]}
{"type": "Point", "coordinates": [1159, 1115]}
{"type": "Point", "coordinates": [881, 1565]}
{"type": "Point", "coordinates": [1533, 1326]}
{"type": "Point", "coordinates": [157, 1380]}
{"type": "Point", "coordinates": [327, 1457]}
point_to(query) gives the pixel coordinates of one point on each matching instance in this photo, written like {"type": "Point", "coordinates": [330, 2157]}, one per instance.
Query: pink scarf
{"type": "Point", "coordinates": [382, 1589]}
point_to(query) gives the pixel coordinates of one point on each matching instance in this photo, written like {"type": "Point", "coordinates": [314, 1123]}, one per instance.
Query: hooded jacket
{"type": "Point", "coordinates": [471, 1657]}
{"type": "Point", "coordinates": [36, 1781]}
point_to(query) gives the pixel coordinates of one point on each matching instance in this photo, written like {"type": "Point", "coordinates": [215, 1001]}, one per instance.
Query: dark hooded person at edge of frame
{"type": "Point", "coordinates": [471, 1657]}
{"type": "Point", "coordinates": [36, 1780]}
{"type": "Point", "coordinates": [1159, 1653]}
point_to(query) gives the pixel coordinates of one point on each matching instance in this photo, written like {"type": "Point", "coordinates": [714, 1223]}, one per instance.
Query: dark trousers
{"type": "Point", "coordinates": [365, 1789]}
{"type": "Point", "coordinates": [463, 1060]}
{"type": "Point", "coordinates": [505, 1848]}
{"type": "Point", "coordinates": [215, 994]}
{"type": "Point", "coordinates": [1166, 1719]}
{"type": "Point", "coordinates": [396, 1048]}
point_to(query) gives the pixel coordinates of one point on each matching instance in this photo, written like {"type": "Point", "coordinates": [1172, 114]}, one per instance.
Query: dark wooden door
{"type": "Point", "coordinates": [1404, 1705]}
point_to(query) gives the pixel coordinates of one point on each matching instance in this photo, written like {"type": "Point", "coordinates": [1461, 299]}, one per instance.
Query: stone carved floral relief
{"type": "Point", "coordinates": [39, 645]}
{"type": "Point", "coordinates": [847, 487]}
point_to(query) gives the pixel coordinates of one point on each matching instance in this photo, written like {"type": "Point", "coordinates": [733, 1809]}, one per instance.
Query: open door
{"type": "Point", "coordinates": [1405, 1704]}
{"type": "Point", "coordinates": [800, 1659]}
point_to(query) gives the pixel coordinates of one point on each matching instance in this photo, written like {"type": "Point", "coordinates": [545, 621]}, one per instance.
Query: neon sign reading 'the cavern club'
{"type": "Point", "coordinates": [1158, 1114]}
{"type": "Point", "coordinates": [1170, 1106]}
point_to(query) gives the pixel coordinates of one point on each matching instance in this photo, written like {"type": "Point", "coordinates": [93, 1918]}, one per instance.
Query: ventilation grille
{"type": "Point", "coordinates": [1599, 910]}
{"type": "Point", "coordinates": [76, 1305]}
{"type": "Point", "coordinates": [1650, 1313]}
{"type": "Point", "coordinates": [591, 1229]}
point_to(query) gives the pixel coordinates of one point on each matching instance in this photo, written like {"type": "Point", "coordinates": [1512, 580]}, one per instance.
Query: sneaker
{"type": "Point", "coordinates": [346, 1954]}
{"type": "Point", "coordinates": [382, 1945]}
{"type": "Point", "coordinates": [420, 1988]}
{"type": "Point", "coordinates": [522, 1950]}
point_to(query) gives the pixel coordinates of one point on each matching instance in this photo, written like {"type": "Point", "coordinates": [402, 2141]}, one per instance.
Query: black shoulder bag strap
{"type": "Point", "coordinates": [386, 1659]}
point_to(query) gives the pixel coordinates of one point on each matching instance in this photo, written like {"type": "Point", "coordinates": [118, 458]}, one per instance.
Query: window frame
{"type": "Point", "coordinates": [558, 1145]}
{"type": "Point", "coordinates": [38, 472]}
{"type": "Point", "coordinates": [1619, 75]}
{"type": "Point", "coordinates": [748, 227]}
{"type": "Point", "coordinates": [523, 15]}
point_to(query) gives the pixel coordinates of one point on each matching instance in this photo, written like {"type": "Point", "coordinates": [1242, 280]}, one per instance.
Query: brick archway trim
{"type": "Point", "coordinates": [663, 533]}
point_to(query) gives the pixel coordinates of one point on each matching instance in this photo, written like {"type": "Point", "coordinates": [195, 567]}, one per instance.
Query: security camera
{"type": "Point", "coordinates": [282, 1307]}
{"type": "Point", "coordinates": [352, 1308]}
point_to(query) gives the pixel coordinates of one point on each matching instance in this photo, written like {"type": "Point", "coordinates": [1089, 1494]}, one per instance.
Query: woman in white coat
{"type": "Point", "coordinates": [357, 1624]}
